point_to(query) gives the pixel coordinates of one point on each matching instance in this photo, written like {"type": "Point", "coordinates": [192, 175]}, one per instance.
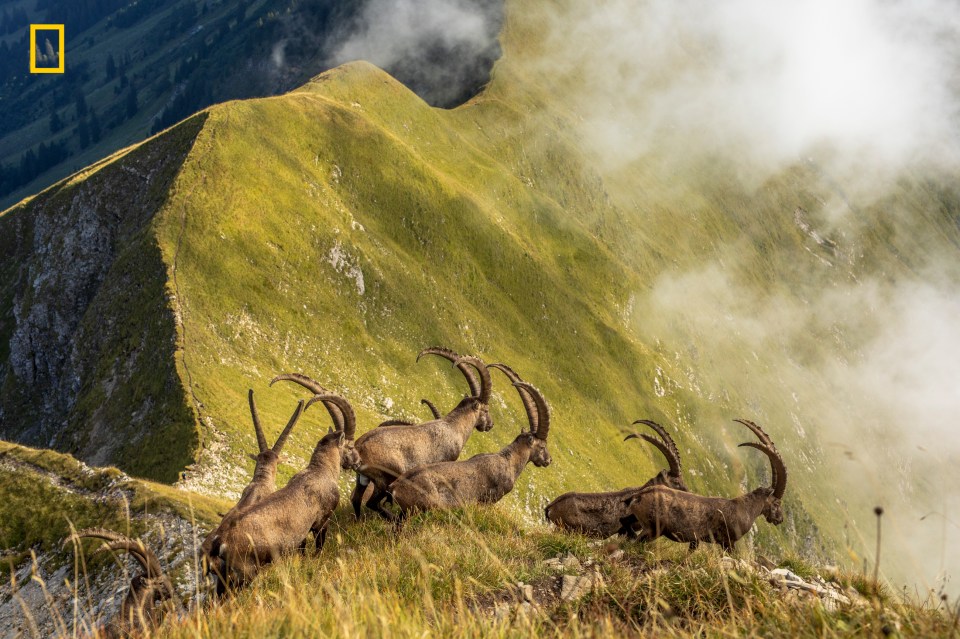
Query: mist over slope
{"type": "Point", "coordinates": [791, 169]}
{"type": "Point", "coordinates": [584, 220]}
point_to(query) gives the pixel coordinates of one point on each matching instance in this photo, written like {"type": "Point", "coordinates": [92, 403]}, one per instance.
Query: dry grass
{"type": "Point", "coordinates": [445, 574]}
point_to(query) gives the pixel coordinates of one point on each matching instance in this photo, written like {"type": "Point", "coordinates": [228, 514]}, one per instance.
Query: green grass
{"type": "Point", "coordinates": [444, 574]}
{"type": "Point", "coordinates": [47, 494]}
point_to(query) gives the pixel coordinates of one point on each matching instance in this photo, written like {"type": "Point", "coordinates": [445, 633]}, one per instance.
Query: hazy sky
{"type": "Point", "coordinates": [772, 78]}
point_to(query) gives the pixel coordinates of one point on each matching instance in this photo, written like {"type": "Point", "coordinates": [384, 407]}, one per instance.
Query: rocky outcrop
{"type": "Point", "coordinates": [80, 375]}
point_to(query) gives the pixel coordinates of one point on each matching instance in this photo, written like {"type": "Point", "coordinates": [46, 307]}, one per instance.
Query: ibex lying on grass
{"type": "Point", "coordinates": [151, 592]}
{"type": "Point", "coordinates": [280, 522]}
{"type": "Point", "coordinates": [484, 478]}
{"type": "Point", "coordinates": [386, 453]}
{"type": "Point", "coordinates": [264, 483]}
{"type": "Point", "coordinates": [688, 518]}
{"type": "Point", "coordinates": [599, 514]}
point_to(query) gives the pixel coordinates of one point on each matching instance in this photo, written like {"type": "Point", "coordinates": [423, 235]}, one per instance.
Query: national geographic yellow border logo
{"type": "Point", "coordinates": [33, 48]}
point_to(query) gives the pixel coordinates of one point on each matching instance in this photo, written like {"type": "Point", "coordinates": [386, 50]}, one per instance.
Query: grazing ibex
{"type": "Point", "coordinates": [599, 514]}
{"type": "Point", "coordinates": [151, 592]}
{"type": "Point", "coordinates": [280, 522]}
{"type": "Point", "coordinates": [688, 518]}
{"type": "Point", "coordinates": [264, 483]}
{"type": "Point", "coordinates": [386, 453]}
{"type": "Point", "coordinates": [483, 478]}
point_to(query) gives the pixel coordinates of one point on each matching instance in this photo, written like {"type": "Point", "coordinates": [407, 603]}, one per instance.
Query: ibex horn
{"type": "Point", "coordinates": [528, 403]}
{"type": "Point", "coordinates": [432, 407]}
{"type": "Point", "coordinates": [763, 437]}
{"type": "Point", "coordinates": [261, 439]}
{"type": "Point", "coordinates": [282, 439]}
{"type": "Point", "coordinates": [350, 418]}
{"type": "Point", "coordinates": [663, 448]}
{"type": "Point", "coordinates": [395, 422]}
{"type": "Point", "coordinates": [144, 556]}
{"type": "Point", "coordinates": [779, 483]}
{"type": "Point", "coordinates": [676, 468]}
{"type": "Point", "coordinates": [542, 425]}
{"type": "Point", "coordinates": [316, 389]}
{"type": "Point", "coordinates": [453, 357]}
{"type": "Point", "coordinates": [485, 383]}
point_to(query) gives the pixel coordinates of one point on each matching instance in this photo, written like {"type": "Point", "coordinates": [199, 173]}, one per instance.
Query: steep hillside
{"type": "Point", "coordinates": [88, 334]}
{"type": "Point", "coordinates": [340, 228]}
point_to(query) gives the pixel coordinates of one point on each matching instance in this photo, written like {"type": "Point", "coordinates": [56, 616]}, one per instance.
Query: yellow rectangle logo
{"type": "Point", "coordinates": [44, 57]}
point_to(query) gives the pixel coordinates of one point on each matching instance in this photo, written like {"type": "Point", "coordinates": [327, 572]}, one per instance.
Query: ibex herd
{"type": "Point", "coordinates": [416, 467]}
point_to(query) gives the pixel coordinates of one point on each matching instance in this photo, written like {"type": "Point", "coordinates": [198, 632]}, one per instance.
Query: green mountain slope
{"type": "Point", "coordinates": [338, 229]}
{"type": "Point", "coordinates": [136, 67]}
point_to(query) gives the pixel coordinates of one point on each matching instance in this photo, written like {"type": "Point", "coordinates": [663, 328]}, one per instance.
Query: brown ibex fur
{"type": "Point", "coordinates": [264, 483]}
{"type": "Point", "coordinates": [386, 453]}
{"type": "Point", "coordinates": [689, 518]}
{"type": "Point", "coordinates": [599, 514]}
{"type": "Point", "coordinates": [484, 478]}
{"type": "Point", "coordinates": [280, 522]}
{"type": "Point", "coordinates": [151, 593]}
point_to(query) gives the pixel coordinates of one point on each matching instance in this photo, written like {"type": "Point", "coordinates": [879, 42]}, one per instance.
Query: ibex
{"type": "Point", "coordinates": [689, 518]}
{"type": "Point", "coordinates": [280, 522]}
{"type": "Point", "coordinates": [151, 592]}
{"type": "Point", "coordinates": [483, 478]}
{"type": "Point", "coordinates": [264, 483]}
{"type": "Point", "coordinates": [599, 514]}
{"type": "Point", "coordinates": [386, 453]}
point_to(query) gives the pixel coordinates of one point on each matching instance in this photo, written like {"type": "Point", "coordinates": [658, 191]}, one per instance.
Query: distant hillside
{"type": "Point", "coordinates": [134, 68]}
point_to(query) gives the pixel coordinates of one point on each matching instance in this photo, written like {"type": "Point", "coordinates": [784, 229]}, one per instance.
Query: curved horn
{"type": "Point", "coordinates": [261, 439]}
{"type": "Point", "coordinates": [131, 547]}
{"type": "Point", "coordinates": [528, 403]}
{"type": "Point", "coordinates": [453, 357]}
{"type": "Point", "coordinates": [674, 456]}
{"type": "Point", "coordinates": [144, 556]}
{"type": "Point", "coordinates": [350, 418]}
{"type": "Point", "coordinates": [763, 437]}
{"type": "Point", "coordinates": [317, 389]}
{"type": "Point", "coordinates": [395, 422]}
{"type": "Point", "coordinates": [542, 424]}
{"type": "Point", "coordinates": [779, 483]}
{"type": "Point", "coordinates": [485, 383]}
{"type": "Point", "coordinates": [756, 430]}
{"type": "Point", "coordinates": [282, 439]}
{"type": "Point", "coordinates": [432, 407]}
{"type": "Point", "coordinates": [662, 447]}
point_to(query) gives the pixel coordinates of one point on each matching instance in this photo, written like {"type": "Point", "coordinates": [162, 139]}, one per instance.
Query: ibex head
{"type": "Point", "coordinates": [270, 457]}
{"type": "Point", "coordinates": [539, 420]}
{"type": "Point", "coordinates": [479, 398]}
{"type": "Point", "coordinates": [345, 420]}
{"type": "Point", "coordinates": [773, 506]}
